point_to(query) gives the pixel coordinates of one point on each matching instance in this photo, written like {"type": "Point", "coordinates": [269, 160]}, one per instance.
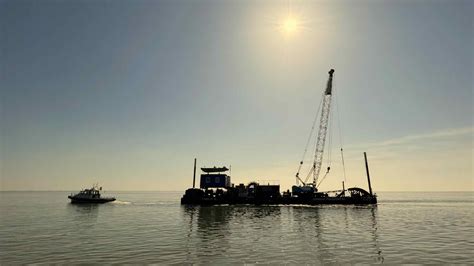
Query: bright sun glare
{"type": "Point", "coordinates": [290, 25]}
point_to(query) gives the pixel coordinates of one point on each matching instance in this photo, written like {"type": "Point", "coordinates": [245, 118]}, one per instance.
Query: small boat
{"type": "Point", "coordinates": [91, 195]}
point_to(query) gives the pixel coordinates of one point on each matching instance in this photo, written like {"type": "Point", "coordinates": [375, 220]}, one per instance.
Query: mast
{"type": "Point", "coordinates": [368, 175]}
{"type": "Point", "coordinates": [323, 128]}
{"type": "Point", "coordinates": [194, 174]}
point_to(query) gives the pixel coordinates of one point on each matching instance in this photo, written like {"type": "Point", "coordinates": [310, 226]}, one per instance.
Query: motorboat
{"type": "Point", "coordinates": [91, 195]}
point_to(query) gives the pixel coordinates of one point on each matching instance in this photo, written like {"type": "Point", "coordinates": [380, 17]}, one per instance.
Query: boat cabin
{"type": "Point", "coordinates": [215, 177]}
{"type": "Point", "coordinates": [89, 193]}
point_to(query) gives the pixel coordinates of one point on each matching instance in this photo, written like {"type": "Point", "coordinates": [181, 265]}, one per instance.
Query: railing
{"type": "Point", "coordinates": [268, 182]}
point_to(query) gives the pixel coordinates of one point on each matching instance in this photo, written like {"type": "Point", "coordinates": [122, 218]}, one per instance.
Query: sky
{"type": "Point", "coordinates": [128, 93]}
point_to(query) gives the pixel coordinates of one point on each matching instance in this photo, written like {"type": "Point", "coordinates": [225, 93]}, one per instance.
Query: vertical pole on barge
{"type": "Point", "coordinates": [194, 175]}
{"type": "Point", "coordinates": [343, 188]}
{"type": "Point", "coordinates": [368, 175]}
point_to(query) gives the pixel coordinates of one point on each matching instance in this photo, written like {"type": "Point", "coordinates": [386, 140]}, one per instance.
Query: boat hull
{"type": "Point", "coordinates": [282, 201]}
{"type": "Point", "coordinates": [76, 200]}
{"type": "Point", "coordinates": [198, 197]}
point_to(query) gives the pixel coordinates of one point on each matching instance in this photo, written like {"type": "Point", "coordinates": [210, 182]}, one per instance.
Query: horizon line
{"type": "Point", "coordinates": [182, 191]}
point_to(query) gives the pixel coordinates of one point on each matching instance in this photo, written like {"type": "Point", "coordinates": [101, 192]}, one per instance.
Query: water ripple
{"type": "Point", "coordinates": [152, 227]}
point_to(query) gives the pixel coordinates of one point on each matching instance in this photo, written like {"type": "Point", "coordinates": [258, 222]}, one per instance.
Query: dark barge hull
{"type": "Point", "coordinates": [282, 201]}
{"type": "Point", "coordinates": [75, 200]}
{"type": "Point", "coordinates": [194, 197]}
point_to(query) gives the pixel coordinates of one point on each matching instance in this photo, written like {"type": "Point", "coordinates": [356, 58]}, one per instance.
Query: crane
{"type": "Point", "coordinates": [321, 140]}
{"type": "Point", "coordinates": [323, 129]}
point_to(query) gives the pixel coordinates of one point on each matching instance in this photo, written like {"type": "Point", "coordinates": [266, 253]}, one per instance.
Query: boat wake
{"type": "Point", "coordinates": [119, 202]}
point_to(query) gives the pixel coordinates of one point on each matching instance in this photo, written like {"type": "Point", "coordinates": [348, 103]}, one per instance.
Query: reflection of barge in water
{"type": "Point", "coordinates": [215, 188]}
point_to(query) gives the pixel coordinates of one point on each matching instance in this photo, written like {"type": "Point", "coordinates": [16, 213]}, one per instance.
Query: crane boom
{"type": "Point", "coordinates": [323, 128]}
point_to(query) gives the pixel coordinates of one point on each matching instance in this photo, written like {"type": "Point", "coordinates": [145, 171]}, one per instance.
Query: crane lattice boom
{"type": "Point", "coordinates": [323, 128]}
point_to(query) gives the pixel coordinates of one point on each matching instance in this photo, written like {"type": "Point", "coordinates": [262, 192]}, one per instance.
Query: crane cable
{"type": "Point", "coordinates": [324, 177]}
{"type": "Point", "coordinates": [307, 144]}
{"type": "Point", "coordinates": [340, 134]}
{"type": "Point", "coordinates": [309, 174]}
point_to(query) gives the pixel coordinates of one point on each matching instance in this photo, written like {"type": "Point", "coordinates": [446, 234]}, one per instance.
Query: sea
{"type": "Point", "coordinates": [152, 227]}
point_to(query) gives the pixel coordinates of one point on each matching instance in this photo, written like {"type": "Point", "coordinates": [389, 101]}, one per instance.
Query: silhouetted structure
{"type": "Point", "coordinates": [216, 188]}
{"type": "Point", "coordinates": [304, 192]}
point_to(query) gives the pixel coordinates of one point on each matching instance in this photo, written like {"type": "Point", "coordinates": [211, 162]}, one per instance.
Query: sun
{"type": "Point", "coordinates": [290, 25]}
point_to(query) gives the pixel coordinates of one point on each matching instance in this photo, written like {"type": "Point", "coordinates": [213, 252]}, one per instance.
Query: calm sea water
{"type": "Point", "coordinates": [152, 227]}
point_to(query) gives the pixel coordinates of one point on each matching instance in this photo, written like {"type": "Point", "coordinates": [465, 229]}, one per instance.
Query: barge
{"type": "Point", "coordinates": [216, 187]}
